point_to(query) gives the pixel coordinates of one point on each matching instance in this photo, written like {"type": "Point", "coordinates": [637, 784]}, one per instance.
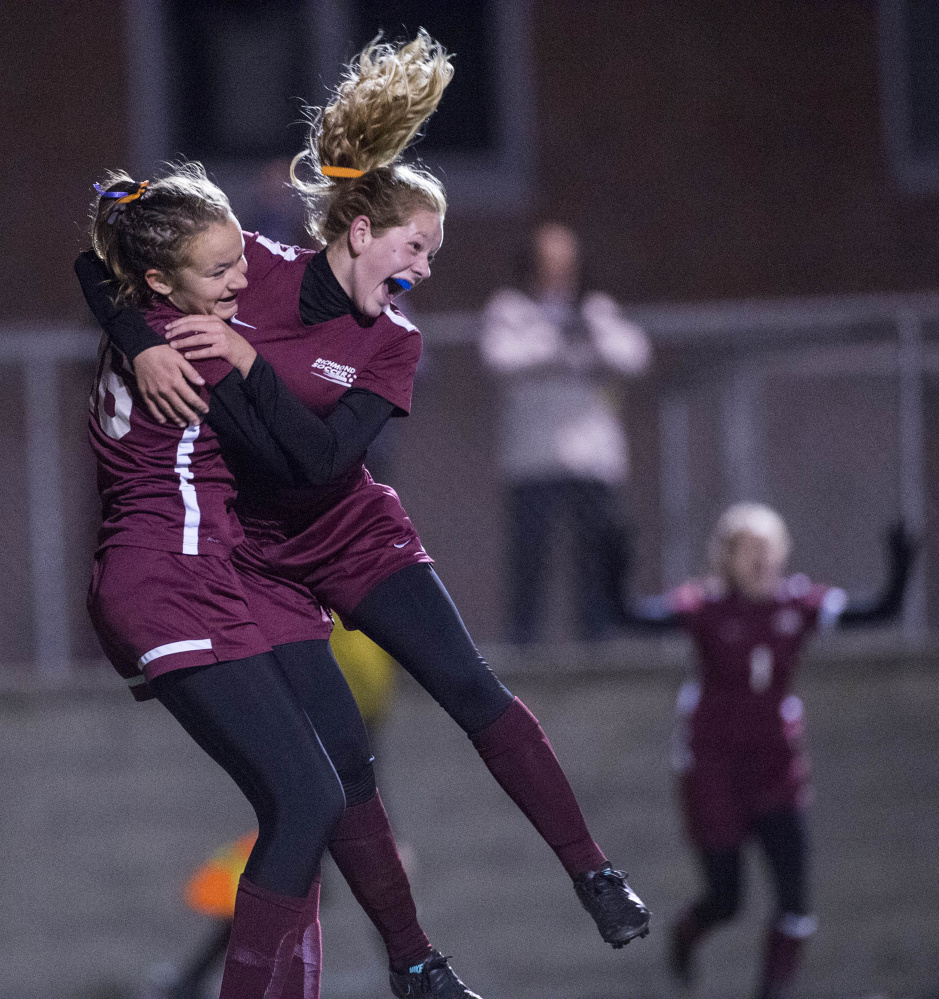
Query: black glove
{"type": "Point", "coordinates": [902, 547]}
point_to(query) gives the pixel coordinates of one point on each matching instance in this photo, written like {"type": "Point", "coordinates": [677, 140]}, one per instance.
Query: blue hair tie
{"type": "Point", "coordinates": [123, 198]}
{"type": "Point", "coordinates": [110, 194]}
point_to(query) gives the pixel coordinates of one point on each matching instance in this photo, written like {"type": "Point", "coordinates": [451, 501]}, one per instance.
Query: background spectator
{"type": "Point", "coordinates": [563, 449]}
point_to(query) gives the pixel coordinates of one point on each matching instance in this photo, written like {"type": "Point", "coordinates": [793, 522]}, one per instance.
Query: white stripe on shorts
{"type": "Point", "coordinates": [171, 648]}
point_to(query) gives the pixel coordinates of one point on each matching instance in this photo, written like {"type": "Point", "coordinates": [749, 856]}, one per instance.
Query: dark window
{"type": "Point", "coordinates": [235, 72]}
{"type": "Point", "coordinates": [467, 124]}
{"type": "Point", "coordinates": [922, 43]}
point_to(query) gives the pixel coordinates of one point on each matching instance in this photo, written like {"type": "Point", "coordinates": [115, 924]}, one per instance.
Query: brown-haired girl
{"type": "Point", "coordinates": [170, 610]}
{"type": "Point", "coordinates": [327, 324]}
{"type": "Point", "coordinates": [742, 771]}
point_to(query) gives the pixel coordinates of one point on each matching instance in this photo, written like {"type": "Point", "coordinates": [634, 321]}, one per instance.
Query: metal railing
{"type": "Point", "coordinates": [736, 351]}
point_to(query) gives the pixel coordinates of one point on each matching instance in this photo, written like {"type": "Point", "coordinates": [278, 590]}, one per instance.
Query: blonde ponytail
{"type": "Point", "coordinates": [385, 96]}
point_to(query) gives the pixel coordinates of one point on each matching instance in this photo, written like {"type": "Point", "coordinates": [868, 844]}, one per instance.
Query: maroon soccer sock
{"type": "Point", "coordinates": [366, 854]}
{"type": "Point", "coordinates": [519, 756]}
{"type": "Point", "coordinates": [782, 955]}
{"type": "Point", "coordinates": [263, 937]}
{"type": "Point", "coordinates": [303, 978]}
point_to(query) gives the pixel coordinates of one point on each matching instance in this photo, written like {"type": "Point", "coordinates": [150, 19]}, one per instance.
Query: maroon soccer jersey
{"type": "Point", "coordinates": [738, 747]}
{"type": "Point", "coordinates": [162, 486]}
{"type": "Point", "coordinates": [319, 363]}
{"type": "Point", "coordinates": [343, 539]}
{"type": "Point", "coordinates": [747, 650]}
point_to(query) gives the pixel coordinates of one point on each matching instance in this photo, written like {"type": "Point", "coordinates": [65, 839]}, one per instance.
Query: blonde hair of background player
{"type": "Point", "coordinates": [385, 96]}
{"type": "Point", "coordinates": [749, 547]}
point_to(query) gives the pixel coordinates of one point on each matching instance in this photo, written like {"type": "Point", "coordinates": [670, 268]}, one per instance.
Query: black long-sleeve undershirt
{"type": "Point", "coordinates": [265, 432]}
{"type": "Point", "coordinates": [655, 613]}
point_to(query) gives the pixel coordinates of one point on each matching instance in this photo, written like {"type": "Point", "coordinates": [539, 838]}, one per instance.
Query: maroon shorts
{"type": "Point", "coordinates": [157, 611]}
{"type": "Point", "coordinates": [342, 555]}
{"type": "Point", "coordinates": [286, 611]}
{"type": "Point", "coordinates": [725, 784]}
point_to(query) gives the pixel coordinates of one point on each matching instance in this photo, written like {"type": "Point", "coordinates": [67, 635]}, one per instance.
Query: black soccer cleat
{"type": "Point", "coordinates": [434, 979]}
{"type": "Point", "coordinates": [616, 909]}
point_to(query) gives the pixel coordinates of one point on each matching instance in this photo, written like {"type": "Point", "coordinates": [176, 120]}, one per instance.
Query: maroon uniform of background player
{"type": "Point", "coordinates": [738, 752]}
{"type": "Point", "coordinates": [738, 743]}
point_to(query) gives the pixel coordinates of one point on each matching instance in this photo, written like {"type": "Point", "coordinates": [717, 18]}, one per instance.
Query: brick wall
{"type": "Point", "coordinates": [704, 150]}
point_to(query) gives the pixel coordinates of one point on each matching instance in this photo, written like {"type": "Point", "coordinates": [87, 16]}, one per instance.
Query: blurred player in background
{"type": "Point", "coordinates": [742, 769]}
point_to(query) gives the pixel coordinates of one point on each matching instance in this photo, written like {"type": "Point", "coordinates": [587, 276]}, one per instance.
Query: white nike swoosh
{"type": "Point", "coordinates": [240, 323]}
{"type": "Point", "coordinates": [403, 543]}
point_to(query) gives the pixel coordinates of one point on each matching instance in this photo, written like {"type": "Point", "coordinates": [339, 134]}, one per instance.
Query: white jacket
{"type": "Point", "coordinates": [558, 422]}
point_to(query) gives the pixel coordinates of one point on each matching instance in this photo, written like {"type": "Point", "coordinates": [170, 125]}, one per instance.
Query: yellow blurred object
{"type": "Point", "coordinates": [211, 890]}
{"type": "Point", "coordinates": [368, 670]}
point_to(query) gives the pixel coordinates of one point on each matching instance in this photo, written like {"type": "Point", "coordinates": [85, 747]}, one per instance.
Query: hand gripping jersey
{"type": "Point", "coordinates": [162, 487]}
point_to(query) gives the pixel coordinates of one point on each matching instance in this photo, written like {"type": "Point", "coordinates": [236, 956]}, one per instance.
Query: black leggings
{"type": "Point", "coordinates": [784, 842]}
{"type": "Point", "coordinates": [246, 716]}
{"type": "Point", "coordinates": [321, 690]}
{"type": "Point", "coordinates": [411, 616]}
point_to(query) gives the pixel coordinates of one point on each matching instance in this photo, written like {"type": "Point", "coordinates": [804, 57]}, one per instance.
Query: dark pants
{"type": "Point", "coordinates": [599, 553]}
{"type": "Point", "coordinates": [784, 841]}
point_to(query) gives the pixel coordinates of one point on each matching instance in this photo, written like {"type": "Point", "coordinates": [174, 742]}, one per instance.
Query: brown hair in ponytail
{"type": "Point", "coordinates": [156, 229]}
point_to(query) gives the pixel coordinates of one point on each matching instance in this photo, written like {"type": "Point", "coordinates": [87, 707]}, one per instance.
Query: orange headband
{"type": "Point", "coordinates": [141, 187]}
{"type": "Point", "coordinates": [331, 171]}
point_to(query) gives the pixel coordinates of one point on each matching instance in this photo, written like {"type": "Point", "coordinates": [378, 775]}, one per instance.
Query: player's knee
{"type": "Point", "coordinates": [476, 702]}
{"type": "Point", "coordinates": [351, 755]}
{"type": "Point", "coordinates": [334, 802]}
{"type": "Point", "coordinates": [358, 782]}
{"type": "Point", "coordinates": [311, 798]}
